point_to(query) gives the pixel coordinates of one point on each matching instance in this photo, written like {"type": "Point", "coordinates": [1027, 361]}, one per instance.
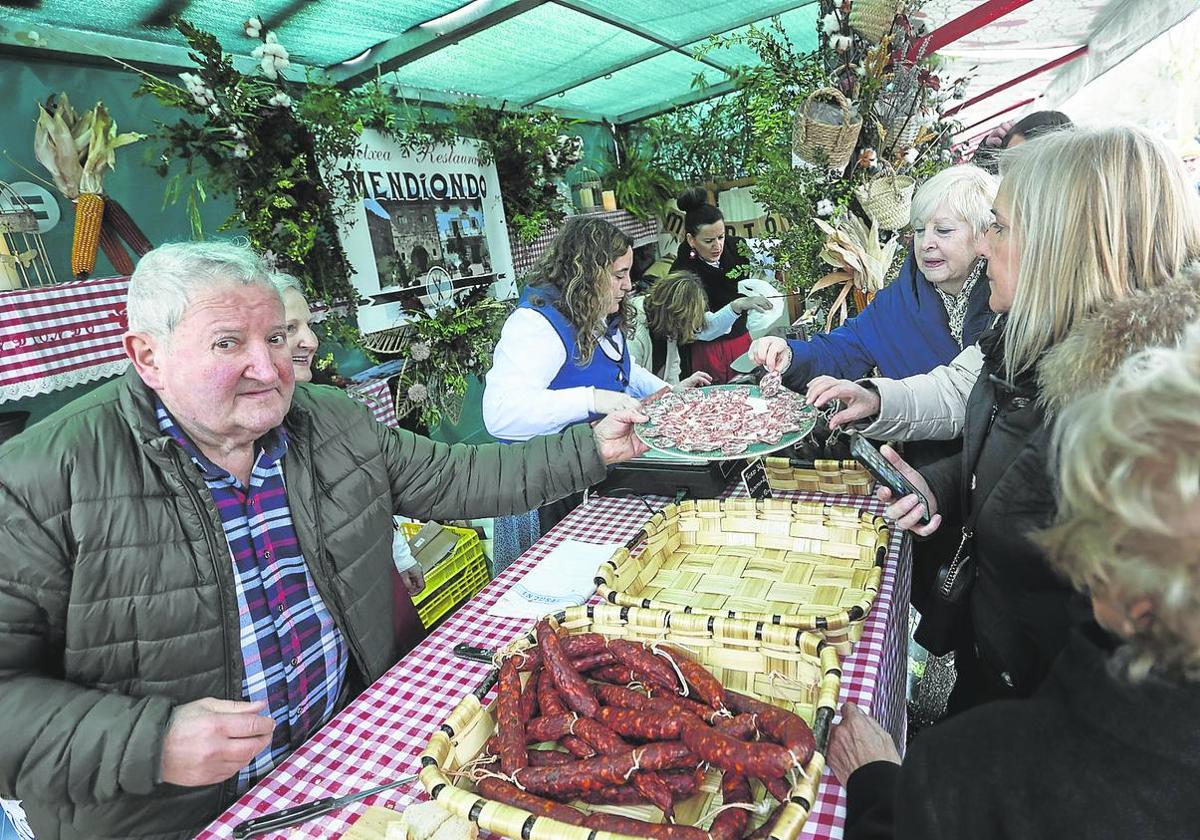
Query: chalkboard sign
{"type": "Point", "coordinates": [754, 479]}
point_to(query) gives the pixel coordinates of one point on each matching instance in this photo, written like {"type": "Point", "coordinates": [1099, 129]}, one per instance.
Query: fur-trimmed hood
{"type": "Point", "coordinates": [1095, 348]}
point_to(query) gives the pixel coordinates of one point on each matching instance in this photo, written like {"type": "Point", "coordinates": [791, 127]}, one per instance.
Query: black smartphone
{"type": "Point", "coordinates": [866, 454]}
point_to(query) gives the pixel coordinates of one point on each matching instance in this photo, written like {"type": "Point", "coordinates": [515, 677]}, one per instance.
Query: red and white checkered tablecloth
{"type": "Point", "coordinates": [55, 337]}
{"type": "Point", "coordinates": [641, 232]}
{"type": "Point", "coordinates": [379, 736]}
{"type": "Point", "coordinates": [375, 395]}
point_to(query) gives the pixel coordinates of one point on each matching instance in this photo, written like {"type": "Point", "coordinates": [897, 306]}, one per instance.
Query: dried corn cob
{"type": "Point", "coordinates": [89, 213]}
{"type": "Point", "coordinates": [125, 227]}
{"type": "Point", "coordinates": [110, 243]}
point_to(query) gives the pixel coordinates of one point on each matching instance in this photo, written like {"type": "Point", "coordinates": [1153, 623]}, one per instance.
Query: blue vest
{"type": "Point", "coordinates": [601, 372]}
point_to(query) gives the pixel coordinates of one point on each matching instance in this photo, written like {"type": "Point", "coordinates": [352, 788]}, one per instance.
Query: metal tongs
{"type": "Point", "coordinates": [278, 820]}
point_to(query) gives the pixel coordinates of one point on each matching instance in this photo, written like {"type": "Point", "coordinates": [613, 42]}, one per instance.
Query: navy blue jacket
{"type": "Point", "coordinates": [903, 332]}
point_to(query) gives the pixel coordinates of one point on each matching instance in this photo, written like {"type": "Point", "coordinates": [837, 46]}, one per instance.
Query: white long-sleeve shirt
{"type": "Point", "coordinates": [517, 401]}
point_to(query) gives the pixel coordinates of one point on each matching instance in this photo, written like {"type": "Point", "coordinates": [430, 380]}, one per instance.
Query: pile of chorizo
{"type": "Point", "coordinates": [616, 722]}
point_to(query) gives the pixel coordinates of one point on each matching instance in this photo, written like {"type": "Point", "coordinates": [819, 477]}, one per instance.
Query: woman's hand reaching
{"type": "Point", "coordinates": [697, 380]}
{"type": "Point", "coordinates": [751, 303]}
{"type": "Point", "coordinates": [858, 402]}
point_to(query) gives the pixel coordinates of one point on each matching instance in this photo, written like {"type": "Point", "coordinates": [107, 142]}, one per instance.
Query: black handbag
{"type": "Point", "coordinates": [945, 618]}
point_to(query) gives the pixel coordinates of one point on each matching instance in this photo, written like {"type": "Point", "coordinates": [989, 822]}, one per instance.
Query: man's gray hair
{"type": "Point", "coordinates": [168, 278]}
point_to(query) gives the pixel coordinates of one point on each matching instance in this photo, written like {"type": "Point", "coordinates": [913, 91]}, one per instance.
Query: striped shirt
{"type": "Point", "coordinates": [293, 654]}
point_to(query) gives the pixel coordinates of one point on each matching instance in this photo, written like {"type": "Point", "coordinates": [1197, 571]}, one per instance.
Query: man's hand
{"type": "Point", "coordinates": [858, 402]}
{"type": "Point", "coordinates": [696, 380]}
{"type": "Point", "coordinates": [615, 440]}
{"type": "Point", "coordinates": [209, 740]}
{"type": "Point", "coordinates": [606, 402]}
{"type": "Point", "coordinates": [413, 579]}
{"type": "Point", "coordinates": [906, 513]}
{"type": "Point", "coordinates": [751, 303]}
{"type": "Point", "coordinates": [856, 741]}
{"type": "Point", "coordinates": [772, 353]}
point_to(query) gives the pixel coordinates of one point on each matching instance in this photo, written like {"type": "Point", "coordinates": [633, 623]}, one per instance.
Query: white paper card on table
{"type": "Point", "coordinates": [564, 578]}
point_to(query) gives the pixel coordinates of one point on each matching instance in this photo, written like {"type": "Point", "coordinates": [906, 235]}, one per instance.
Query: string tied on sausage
{"type": "Point", "coordinates": [637, 764]}
{"type": "Point", "coordinates": [682, 681]}
{"type": "Point", "coordinates": [745, 806]}
{"type": "Point", "coordinates": [480, 773]}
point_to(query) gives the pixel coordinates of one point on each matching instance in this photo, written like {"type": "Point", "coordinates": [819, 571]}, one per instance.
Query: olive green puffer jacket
{"type": "Point", "coordinates": [117, 598]}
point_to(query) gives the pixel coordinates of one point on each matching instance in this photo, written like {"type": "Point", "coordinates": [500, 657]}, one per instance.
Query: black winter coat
{"type": "Point", "coordinates": [1091, 755]}
{"type": "Point", "coordinates": [720, 288]}
{"type": "Point", "coordinates": [1021, 610]}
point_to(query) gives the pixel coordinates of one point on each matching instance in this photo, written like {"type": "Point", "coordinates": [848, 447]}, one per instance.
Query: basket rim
{"type": "Point", "coordinates": [839, 98]}
{"type": "Point", "coordinates": [435, 782]}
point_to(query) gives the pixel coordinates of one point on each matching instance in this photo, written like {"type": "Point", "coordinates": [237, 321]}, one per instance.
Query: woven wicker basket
{"type": "Point", "coordinates": [786, 667]}
{"type": "Point", "coordinates": [873, 19]}
{"type": "Point", "coordinates": [844, 477]}
{"type": "Point", "coordinates": [887, 199]}
{"type": "Point", "coordinates": [808, 565]}
{"type": "Point", "coordinates": [813, 138]}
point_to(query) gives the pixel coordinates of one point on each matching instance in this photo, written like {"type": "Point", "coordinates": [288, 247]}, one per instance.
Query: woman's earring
{"type": "Point", "coordinates": [692, 254]}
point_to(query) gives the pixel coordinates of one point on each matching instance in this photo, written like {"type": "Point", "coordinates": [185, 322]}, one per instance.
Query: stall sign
{"type": "Point", "coordinates": [423, 223]}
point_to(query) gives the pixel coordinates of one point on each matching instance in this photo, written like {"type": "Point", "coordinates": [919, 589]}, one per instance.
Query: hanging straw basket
{"type": "Point", "coordinates": [793, 669]}
{"type": "Point", "coordinates": [825, 130]}
{"type": "Point", "coordinates": [824, 476]}
{"type": "Point", "coordinates": [808, 565]}
{"type": "Point", "coordinates": [887, 199]}
{"type": "Point", "coordinates": [873, 19]}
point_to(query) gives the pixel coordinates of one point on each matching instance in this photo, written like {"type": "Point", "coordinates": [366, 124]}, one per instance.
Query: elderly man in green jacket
{"type": "Point", "coordinates": [193, 557]}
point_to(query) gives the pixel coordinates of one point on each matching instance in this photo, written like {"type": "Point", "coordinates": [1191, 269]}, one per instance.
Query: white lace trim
{"type": "Point", "coordinates": [58, 381]}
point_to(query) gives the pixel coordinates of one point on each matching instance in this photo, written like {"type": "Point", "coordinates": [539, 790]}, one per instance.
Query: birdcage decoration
{"type": "Point", "coordinates": [23, 259]}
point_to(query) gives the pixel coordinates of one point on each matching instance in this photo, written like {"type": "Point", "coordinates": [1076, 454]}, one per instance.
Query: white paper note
{"type": "Point", "coordinates": [564, 578]}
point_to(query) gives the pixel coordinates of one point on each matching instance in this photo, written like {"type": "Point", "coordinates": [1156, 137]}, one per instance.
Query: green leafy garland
{"type": "Point", "coordinates": [263, 141]}
{"type": "Point", "coordinates": [443, 349]}
{"type": "Point", "coordinates": [871, 75]}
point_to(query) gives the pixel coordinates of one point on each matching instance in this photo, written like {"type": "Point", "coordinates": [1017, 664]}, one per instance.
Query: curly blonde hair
{"type": "Point", "coordinates": [675, 307]}
{"type": "Point", "coordinates": [576, 265]}
{"type": "Point", "coordinates": [1128, 461]}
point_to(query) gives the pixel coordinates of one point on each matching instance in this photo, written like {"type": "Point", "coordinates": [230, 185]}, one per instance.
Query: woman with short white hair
{"type": "Point", "coordinates": [922, 319]}
{"type": "Point", "coordinates": [1109, 746]}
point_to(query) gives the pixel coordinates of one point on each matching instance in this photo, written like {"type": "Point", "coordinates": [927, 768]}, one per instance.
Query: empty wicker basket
{"type": "Point", "coordinates": [825, 133]}
{"type": "Point", "coordinates": [789, 668]}
{"type": "Point", "coordinates": [873, 18]}
{"type": "Point", "coordinates": [824, 476]}
{"type": "Point", "coordinates": [799, 564]}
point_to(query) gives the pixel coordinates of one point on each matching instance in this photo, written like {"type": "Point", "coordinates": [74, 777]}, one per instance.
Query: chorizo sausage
{"type": "Point", "coordinates": [762, 760]}
{"type": "Point", "coordinates": [707, 687]}
{"type": "Point", "coordinates": [616, 674]}
{"type": "Point", "coordinates": [644, 724]}
{"type": "Point", "coordinates": [573, 689]}
{"type": "Point", "coordinates": [501, 791]}
{"type": "Point", "coordinates": [529, 701]}
{"type": "Point", "coordinates": [779, 724]}
{"type": "Point", "coordinates": [731, 824]}
{"type": "Point", "coordinates": [549, 758]}
{"type": "Point", "coordinates": [645, 664]}
{"type": "Point", "coordinates": [510, 733]}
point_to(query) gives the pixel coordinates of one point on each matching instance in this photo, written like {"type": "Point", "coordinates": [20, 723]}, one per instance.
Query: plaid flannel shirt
{"type": "Point", "coordinates": [293, 654]}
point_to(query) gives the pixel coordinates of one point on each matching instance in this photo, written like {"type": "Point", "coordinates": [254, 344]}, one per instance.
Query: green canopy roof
{"type": "Point", "coordinates": [617, 60]}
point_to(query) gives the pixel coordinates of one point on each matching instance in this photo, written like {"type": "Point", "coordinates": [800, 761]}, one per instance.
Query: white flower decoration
{"type": "Point", "coordinates": [280, 100]}
{"type": "Point", "coordinates": [825, 208]}
{"type": "Point", "coordinates": [841, 43]}
{"type": "Point", "coordinates": [945, 154]}
{"type": "Point", "coordinates": [418, 392]}
{"type": "Point", "coordinates": [419, 351]}
{"type": "Point", "coordinates": [272, 56]}
{"type": "Point", "coordinates": [830, 24]}
{"type": "Point", "coordinates": [253, 27]}
{"type": "Point", "coordinates": [241, 150]}
{"type": "Point", "coordinates": [910, 156]}
{"type": "Point", "coordinates": [237, 132]}
{"type": "Point", "coordinates": [214, 109]}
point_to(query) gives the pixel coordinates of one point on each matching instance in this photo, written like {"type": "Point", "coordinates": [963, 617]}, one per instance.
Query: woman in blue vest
{"type": "Point", "coordinates": [562, 357]}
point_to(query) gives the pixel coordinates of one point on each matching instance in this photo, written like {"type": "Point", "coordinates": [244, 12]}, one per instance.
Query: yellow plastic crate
{"type": "Point", "coordinates": [459, 576]}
